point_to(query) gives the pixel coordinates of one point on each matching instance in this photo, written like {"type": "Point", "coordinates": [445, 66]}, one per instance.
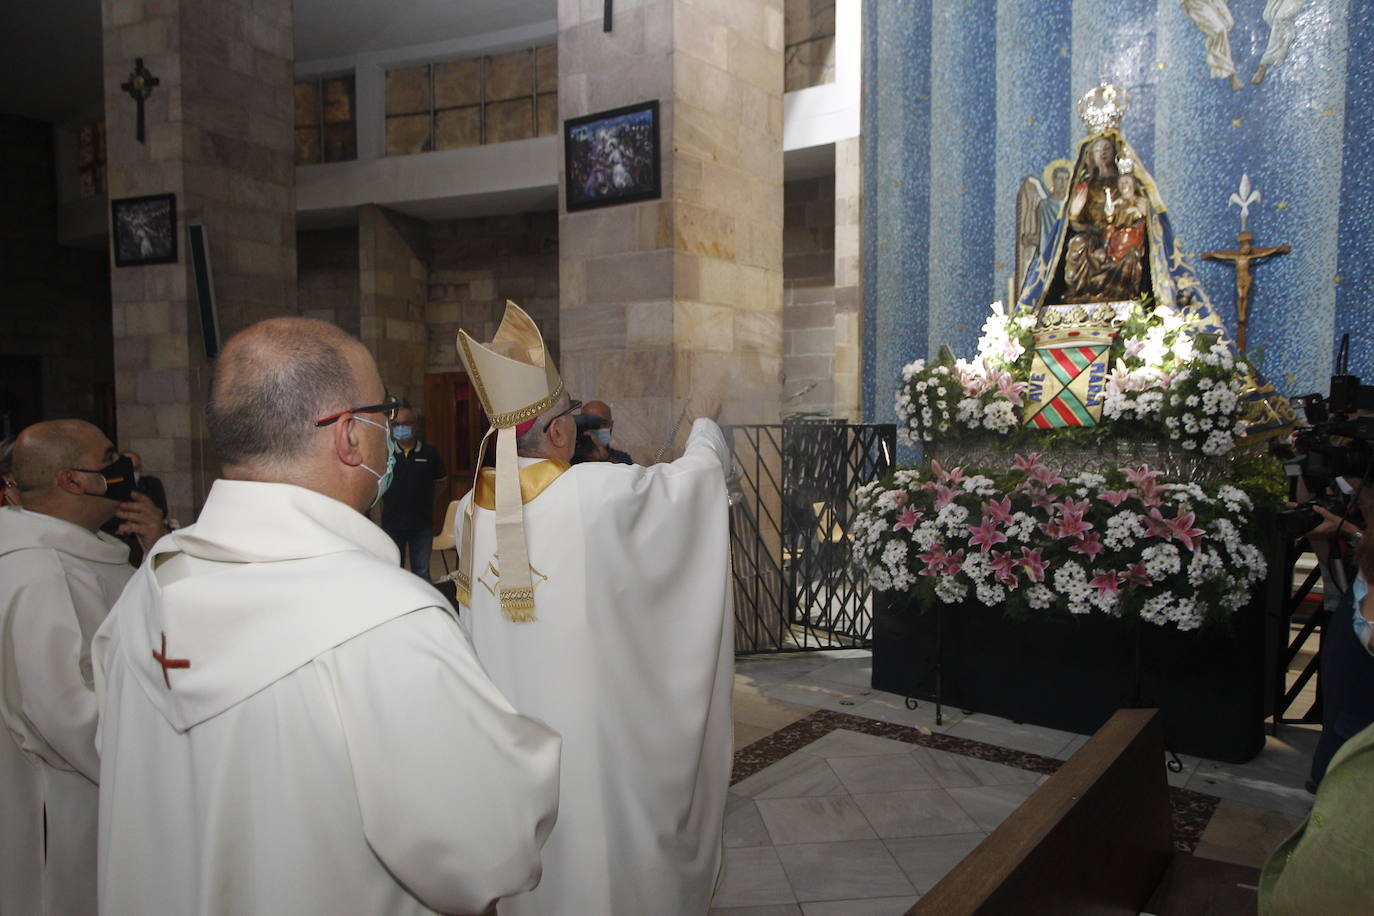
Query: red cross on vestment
{"type": "Point", "coordinates": [166, 662]}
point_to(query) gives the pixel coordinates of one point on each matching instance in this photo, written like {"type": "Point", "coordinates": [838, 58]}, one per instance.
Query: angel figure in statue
{"type": "Point", "coordinates": [1038, 207]}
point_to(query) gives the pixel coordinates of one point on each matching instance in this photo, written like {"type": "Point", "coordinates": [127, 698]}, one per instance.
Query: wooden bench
{"type": "Point", "coordinates": [1095, 838]}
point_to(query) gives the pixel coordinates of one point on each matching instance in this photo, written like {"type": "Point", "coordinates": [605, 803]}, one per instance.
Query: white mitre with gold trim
{"type": "Point", "coordinates": [516, 381]}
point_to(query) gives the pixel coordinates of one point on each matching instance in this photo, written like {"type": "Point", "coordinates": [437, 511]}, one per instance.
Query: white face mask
{"type": "Point", "coordinates": [603, 436]}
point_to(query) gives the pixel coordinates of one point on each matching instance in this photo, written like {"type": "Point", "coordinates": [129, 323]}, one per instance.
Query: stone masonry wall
{"type": "Point", "coordinates": [219, 136]}
{"type": "Point", "coordinates": [728, 218]}
{"type": "Point", "coordinates": [327, 276]}
{"type": "Point", "coordinates": [477, 264]}
{"type": "Point", "coordinates": [665, 298]}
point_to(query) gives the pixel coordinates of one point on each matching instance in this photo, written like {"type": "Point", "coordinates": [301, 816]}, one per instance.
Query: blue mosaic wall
{"type": "Point", "coordinates": [964, 98]}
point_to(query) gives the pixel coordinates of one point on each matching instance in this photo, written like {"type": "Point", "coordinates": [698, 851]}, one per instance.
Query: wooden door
{"type": "Point", "coordinates": [454, 424]}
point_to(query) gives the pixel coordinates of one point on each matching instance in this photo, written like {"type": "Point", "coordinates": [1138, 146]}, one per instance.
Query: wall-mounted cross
{"type": "Point", "coordinates": [1240, 259]}
{"type": "Point", "coordinates": [140, 86]}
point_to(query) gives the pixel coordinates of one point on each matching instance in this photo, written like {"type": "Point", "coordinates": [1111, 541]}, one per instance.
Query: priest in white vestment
{"type": "Point", "coordinates": [59, 575]}
{"type": "Point", "coordinates": [290, 722]}
{"type": "Point", "coordinates": [598, 599]}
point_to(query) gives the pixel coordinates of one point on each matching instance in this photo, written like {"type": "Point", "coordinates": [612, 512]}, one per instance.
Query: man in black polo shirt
{"type": "Point", "coordinates": [408, 510]}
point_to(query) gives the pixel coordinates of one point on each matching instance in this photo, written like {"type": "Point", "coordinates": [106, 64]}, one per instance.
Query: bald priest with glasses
{"type": "Point", "coordinates": [598, 600]}
{"type": "Point", "coordinates": [289, 722]}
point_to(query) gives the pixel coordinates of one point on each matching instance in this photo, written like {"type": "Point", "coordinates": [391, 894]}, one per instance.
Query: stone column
{"type": "Point", "coordinates": [393, 280]}
{"type": "Point", "coordinates": [219, 137]}
{"type": "Point", "coordinates": [683, 294]}
{"type": "Point", "coordinates": [848, 280]}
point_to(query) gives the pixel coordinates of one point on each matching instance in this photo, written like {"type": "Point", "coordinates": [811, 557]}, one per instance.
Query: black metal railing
{"type": "Point", "coordinates": [791, 506]}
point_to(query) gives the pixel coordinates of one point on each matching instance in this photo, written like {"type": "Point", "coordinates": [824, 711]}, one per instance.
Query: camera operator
{"type": "Point", "coordinates": [589, 447]}
{"type": "Point", "coordinates": [1334, 456]}
{"type": "Point", "coordinates": [1347, 659]}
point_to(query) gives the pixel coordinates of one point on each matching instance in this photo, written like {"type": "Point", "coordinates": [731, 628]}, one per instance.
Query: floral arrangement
{"type": "Point", "coordinates": [1172, 384]}
{"type": "Point", "coordinates": [1122, 544]}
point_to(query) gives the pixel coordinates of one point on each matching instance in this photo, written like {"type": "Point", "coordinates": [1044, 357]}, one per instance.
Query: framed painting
{"type": "Point", "coordinates": [144, 230]}
{"type": "Point", "coordinates": [612, 157]}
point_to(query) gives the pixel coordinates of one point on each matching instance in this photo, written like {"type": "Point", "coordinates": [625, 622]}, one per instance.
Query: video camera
{"type": "Point", "coordinates": [1335, 442]}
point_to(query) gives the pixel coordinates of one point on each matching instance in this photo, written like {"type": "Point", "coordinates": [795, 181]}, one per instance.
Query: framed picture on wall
{"type": "Point", "coordinates": [144, 229]}
{"type": "Point", "coordinates": [612, 157]}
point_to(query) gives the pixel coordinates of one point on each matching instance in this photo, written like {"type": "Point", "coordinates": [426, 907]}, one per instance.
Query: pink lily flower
{"type": "Point", "coordinates": [1032, 563]}
{"type": "Point", "coordinates": [1046, 477]}
{"type": "Point", "coordinates": [986, 535]}
{"type": "Point", "coordinates": [1107, 583]}
{"type": "Point", "coordinates": [899, 497]}
{"type": "Point", "coordinates": [1179, 528]}
{"type": "Point", "coordinates": [940, 473]}
{"type": "Point", "coordinates": [1011, 390]}
{"type": "Point", "coordinates": [907, 520]}
{"type": "Point", "coordinates": [1141, 477]}
{"type": "Point", "coordinates": [998, 509]}
{"type": "Point", "coordinates": [1116, 497]}
{"type": "Point", "coordinates": [1073, 527]}
{"type": "Point", "coordinates": [1090, 545]}
{"type": "Point", "coordinates": [944, 495]}
{"type": "Point", "coordinates": [1002, 562]}
{"type": "Point", "coordinates": [1136, 575]}
{"type": "Point", "coordinates": [1054, 528]}
{"type": "Point", "coordinates": [934, 560]}
{"type": "Point", "coordinates": [1028, 463]}
{"type": "Point", "coordinates": [1074, 510]}
{"type": "Point", "coordinates": [954, 562]}
{"type": "Point", "coordinates": [1041, 499]}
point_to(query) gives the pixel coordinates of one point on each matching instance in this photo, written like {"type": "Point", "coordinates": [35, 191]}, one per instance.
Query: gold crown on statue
{"type": "Point", "coordinates": [515, 378]}
{"type": "Point", "coordinates": [516, 381]}
{"type": "Point", "coordinates": [1103, 107]}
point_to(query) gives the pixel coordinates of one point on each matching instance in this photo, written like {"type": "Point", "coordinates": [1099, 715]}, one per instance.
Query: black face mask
{"type": "Point", "coordinates": [119, 479]}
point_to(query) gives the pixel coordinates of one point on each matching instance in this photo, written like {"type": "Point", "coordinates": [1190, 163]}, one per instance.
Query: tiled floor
{"type": "Point", "coordinates": [827, 818]}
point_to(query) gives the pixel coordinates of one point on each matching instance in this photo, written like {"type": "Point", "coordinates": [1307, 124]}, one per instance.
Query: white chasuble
{"type": "Point", "coordinates": [291, 724]}
{"type": "Point", "coordinates": [57, 582]}
{"type": "Point", "coordinates": [630, 657]}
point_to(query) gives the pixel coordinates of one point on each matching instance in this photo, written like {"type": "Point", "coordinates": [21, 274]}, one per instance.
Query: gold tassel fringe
{"type": "Point", "coordinates": [518, 604]}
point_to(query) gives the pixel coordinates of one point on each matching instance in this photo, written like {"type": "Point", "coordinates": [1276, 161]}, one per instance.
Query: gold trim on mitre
{"type": "Point", "coordinates": [514, 376]}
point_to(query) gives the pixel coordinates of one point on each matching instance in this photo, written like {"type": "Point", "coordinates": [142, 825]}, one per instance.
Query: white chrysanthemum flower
{"type": "Point", "coordinates": [991, 594]}
{"type": "Point", "coordinates": [999, 415]}
{"type": "Point", "coordinates": [950, 590]}
{"type": "Point", "coordinates": [927, 533]}
{"type": "Point", "coordinates": [1161, 560]}
{"type": "Point", "coordinates": [1156, 609]}
{"type": "Point", "coordinates": [953, 519]}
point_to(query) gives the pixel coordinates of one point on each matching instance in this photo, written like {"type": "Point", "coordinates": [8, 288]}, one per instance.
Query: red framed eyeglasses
{"type": "Point", "coordinates": [387, 408]}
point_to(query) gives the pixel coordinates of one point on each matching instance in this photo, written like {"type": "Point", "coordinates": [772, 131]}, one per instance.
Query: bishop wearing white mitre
{"type": "Point", "coordinates": [598, 600]}
{"type": "Point", "coordinates": [290, 722]}
{"type": "Point", "coordinates": [59, 574]}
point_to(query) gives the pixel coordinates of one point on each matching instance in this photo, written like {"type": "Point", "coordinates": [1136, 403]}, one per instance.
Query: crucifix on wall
{"type": "Point", "coordinates": [140, 86]}
{"type": "Point", "coordinates": [1242, 256]}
